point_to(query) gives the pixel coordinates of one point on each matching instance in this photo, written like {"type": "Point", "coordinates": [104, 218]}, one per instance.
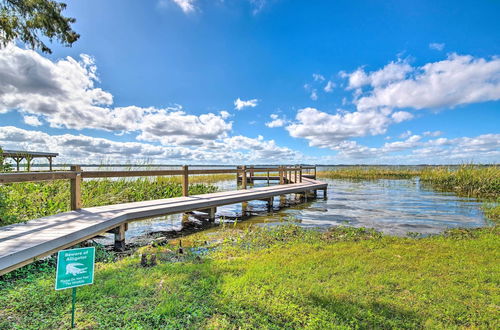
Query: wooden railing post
{"type": "Point", "coordinates": [314, 172]}
{"type": "Point", "coordinates": [76, 188]}
{"type": "Point", "coordinates": [185, 181]}
{"type": "Point", "coordinates": [295, 173]}
{"type": "Point", "coordinates": [300, 173]}
{"type": "Point", "coordinates": [281, 174]}
{"type": "Point", "coordinates": [237, 175]}
{"type": "Point", "coordinates": [244, 177]}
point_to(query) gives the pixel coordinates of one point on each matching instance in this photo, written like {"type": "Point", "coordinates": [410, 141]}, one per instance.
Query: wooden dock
{"type": "Point", "coordinates": [23, 243]}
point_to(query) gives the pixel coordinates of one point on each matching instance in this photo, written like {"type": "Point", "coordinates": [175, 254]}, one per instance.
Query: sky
{"type": "Point", "coordinates": [261, 82]}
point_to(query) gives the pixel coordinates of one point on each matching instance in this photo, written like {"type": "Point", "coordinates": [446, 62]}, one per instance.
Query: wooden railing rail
{"type": "Point", "coordinates": [286, 174]}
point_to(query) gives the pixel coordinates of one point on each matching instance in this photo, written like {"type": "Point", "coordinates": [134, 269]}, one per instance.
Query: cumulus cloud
{"type": "Point", "coordinates": [240, 104]}
{"type": "Point", "coordinates": [392, 72]}
{"type": "Point", "coordinates": [187, 6]}
{"type": "Point", "coordinates": [81, 148]}
{"type": "Point", "coordinates": [432, 133]}
{"type": "Point", "coordinates": [436, 46]}
{"type": "Point", "coordinates": [276, 121]}
{"type": "Point", "coordinates": [65, 95]}
{"type": "Point", "coordinates": [318, 77]}
{"type": "Point", "coordinates": [483, 148]}
{"type": "Point", "coordinates": [458, 80]}
{"type": "Point", "coordinates": [387, 96]}
{"type": "Point", "coordinates": [323, 130]}
{"type": "Point", "coordinates": [404, 135]}
{"type": "Point", "coordinates": [32, 121]}
{"type": "Point", "coordinates": [329, 86]}
{"type": "Point", "coordinates": [314, 95]}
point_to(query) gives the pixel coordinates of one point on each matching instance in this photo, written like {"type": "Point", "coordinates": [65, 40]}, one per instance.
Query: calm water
{"type": "Point", "coordinates": [395, 207]}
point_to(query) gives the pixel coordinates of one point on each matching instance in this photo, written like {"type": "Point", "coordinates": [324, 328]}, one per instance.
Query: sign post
{"type": "Point", "coordinates": [75, 268]}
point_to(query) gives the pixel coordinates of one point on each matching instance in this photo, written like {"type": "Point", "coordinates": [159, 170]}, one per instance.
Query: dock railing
{"type": "Point", "coordinates": [286, 174]}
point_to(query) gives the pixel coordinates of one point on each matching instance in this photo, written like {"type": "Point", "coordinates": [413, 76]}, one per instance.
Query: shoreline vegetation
{"type": "Point", "coordinates": [280, 277]}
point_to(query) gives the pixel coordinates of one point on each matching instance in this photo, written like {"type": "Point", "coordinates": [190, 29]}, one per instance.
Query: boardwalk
{"type": "Point", "coordinates": [23, 243]}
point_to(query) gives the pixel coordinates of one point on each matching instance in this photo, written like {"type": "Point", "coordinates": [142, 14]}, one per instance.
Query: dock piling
{"type": "Point", "coordinates": [120, 238]}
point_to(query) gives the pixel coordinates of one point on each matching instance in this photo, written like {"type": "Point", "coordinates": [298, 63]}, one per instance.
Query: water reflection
{"type": "Point", "coordinates": [394, 207]}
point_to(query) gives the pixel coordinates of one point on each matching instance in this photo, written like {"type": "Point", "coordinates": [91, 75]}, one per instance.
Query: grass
{"type": "Point", "coordinates": [369, 173]}
{"type": "Point", "coordinates": [284, 277]}
{"type": "Point", "coordinates": [25, 201]}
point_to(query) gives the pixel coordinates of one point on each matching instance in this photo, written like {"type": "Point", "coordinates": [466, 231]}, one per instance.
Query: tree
{"type": "Point", "coordinates": [29, 20]}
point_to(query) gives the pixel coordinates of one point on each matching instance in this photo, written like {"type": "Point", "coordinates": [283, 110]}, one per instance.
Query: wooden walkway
{"type": "Point", "coordinates": [23, 243]}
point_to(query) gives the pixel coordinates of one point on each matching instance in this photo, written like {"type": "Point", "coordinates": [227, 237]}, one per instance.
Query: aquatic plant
{"type": "Point", "coordinates": [369, 173]}
{"type": "Point", "coordinates": [25, 201]}
{"type": "Point", "coordinates": [466, 180]}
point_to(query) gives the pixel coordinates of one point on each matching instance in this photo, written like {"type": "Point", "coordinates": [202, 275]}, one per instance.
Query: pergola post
{"type": "Point", "coordinates": [28, 160]}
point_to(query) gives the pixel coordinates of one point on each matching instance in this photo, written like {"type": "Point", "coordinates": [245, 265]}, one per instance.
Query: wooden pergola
{"type": "Point", "coordinates": [18, 156]}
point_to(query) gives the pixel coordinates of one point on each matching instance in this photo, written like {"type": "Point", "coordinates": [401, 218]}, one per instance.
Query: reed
{"type": "Point", "coordinates": [21, 202]}
{"type": "Point", "coordinates": [369, 173]}
{"type": "Point", "coordinates": [467, 180]}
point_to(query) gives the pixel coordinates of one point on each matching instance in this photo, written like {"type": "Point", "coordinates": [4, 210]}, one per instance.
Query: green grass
{"type": "Point", "coordinates": [285, 277]}
{"type": "Point", "coordinates": [25, 201]}
{"type": "Point", "coordinates": [368, 173]}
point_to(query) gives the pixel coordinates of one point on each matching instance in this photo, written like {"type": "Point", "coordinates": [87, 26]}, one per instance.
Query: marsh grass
{"type": "Point", "coordinates": [369, 173]}
{"type": "Point", "coordinates": [466, 180]}
{"type": "Point", "coordinates": [25, 201]}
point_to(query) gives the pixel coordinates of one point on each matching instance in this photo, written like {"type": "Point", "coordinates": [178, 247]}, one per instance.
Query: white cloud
{"type": "Point", "coordinates": [187, 6]}
{"type": "Point", "coordinates": [483, 148]}
{"type": "Point", "coordinates": [324, 130]}
{"type": "Point", "coordinates": [329, 86]}
{"type": "Point", "coordinates": [401, 116]}
{"type": "Point", "coordinates": [445, 84]}
{"type": "Point", "coordinates": [383, 97]}
{"type": "Point", "coordinates": [436, 46]}
{"type": "Point", "coordinates": [404, 135]}
{"type": "Point", "coordinates": [87, 149]}
{"type": "Point", "coordinates": [433, 134]}
{"type": "Point", "coordinates": [258, 5]}
{"type": "Point", "coordinates": [318, 77]}
{"type": "Point", "coordinates": [276, 121]}
{"type": "Point", "coordinates": [178, 128]}
{"type": "Point", "coordinates": [64, 94]}
{"type": "Point", "coordinates": [239, 104]}
{"type": "Point", "coordinates": [314, 95]}
{"type": "Point", "coordinates": [32, 120]}
{"type": "Point", "coordinates": [392, 72]}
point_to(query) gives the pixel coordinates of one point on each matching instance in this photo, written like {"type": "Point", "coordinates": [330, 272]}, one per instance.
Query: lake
{"type": "Point", "coordinates": [394, 207]}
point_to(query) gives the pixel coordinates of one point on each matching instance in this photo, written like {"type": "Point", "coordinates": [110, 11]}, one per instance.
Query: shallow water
{"type": "Point", "coordinates": [395, 207]}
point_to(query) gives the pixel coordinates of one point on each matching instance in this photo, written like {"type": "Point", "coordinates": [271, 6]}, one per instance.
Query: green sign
{"type": "Point", "coordinates": [75, 268]}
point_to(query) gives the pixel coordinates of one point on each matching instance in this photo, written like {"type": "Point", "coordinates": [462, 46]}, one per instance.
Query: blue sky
{"type": "Point", "coordinates": [262, 81]}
